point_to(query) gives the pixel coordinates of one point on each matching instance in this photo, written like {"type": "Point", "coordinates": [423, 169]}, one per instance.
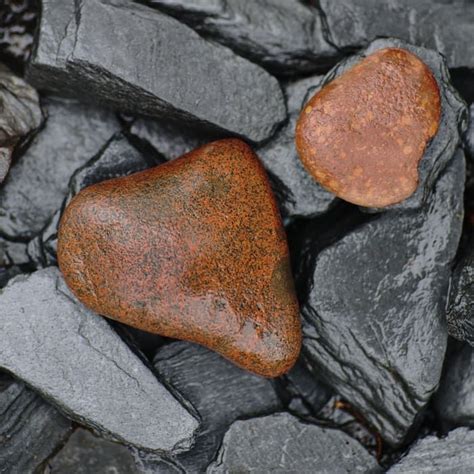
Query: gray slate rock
{"type": "Point", "coordinates": [469, 136]}
{"type": "Point", "coordinates": [20, 115]}
{"type": "Point", "coordinates": [373, 305]}
{"type": "Point", "coordinates": [453, 120]}
{"type": "Point", "coordinates": [85, 453]}
{"type": "Point", "coordinates": [138, 60]}
{"type": "Point", "coordinates": [298, 193]}
{"type": "Point", "coordinates": [443, 25]}
{"type": "Point", "coordinates": [218, 390]}
{"type": "Point", "coordinates": [454, 401]}
{"type": "Point", "coordinates": [282, 443]}
{"type": "Point", "coordinates": [74, 359]}
{"type": "Point", "coordinates": [117, 158]}
{"type": "Point", "coordinates": [285, 37]}
{"type": "Point", "coordinates": [450, 455]}
{"type": "Point", "coordinates": [31, 430]}
{"type": "Point", "coordinates": [37, 183]}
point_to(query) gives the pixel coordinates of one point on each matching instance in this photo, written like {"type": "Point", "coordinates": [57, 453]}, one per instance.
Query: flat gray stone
{"type": "Point", "coordinates": [31, 430]}
{"type": "Point", "coordinates": [450, 455]}
{"type": "Point", "coordinates": [138, 60]}
{"type": "Point", "coordinates": [373, 305]}
{"type": "Point", "coordinates": [282, 443]}
{"type": "Point", "coordinates": [74, 359]}
{"type": "Point", "coordinates": [454, 401]}
{"type": "Point", "coordinates": [218, 390]}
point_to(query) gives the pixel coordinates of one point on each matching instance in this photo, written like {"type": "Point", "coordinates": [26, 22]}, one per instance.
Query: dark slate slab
{"type": "Point", "coordinates": [453, 454]}
{"type": "Point", "coordinates": [37, 183]}
{"type": "Point", "coordinates": [218, 390]}
{"type": "Point", "coordinates": [284, 37]}
{"type": "Point", "coordinates": [454, 401]}
{"type": "Point", "coordinates": [85, 453]}
{"type": "Point", "coordinates": [469, 136]}
{"type": "Point", "coordinates": [20, 115]}
{"type": "Point", "coordinates": [138, 60]}
{"type": "Point", "coordinates": [373, 305]}
{"type": "Point", "coordinates": [31, 430]}
{"type": "Point", "coordinates": [453, 121]}
{"type": "Point", "coordinates": [73, 358]}
{"type": "Point", "coordinates": [281, 443]}
{"type": "Point", "coordinates": [117, 158]}
{"type": "Point", "coordinates": [444, 25]}
{"type": "Point", "coordinates": [298, 193]}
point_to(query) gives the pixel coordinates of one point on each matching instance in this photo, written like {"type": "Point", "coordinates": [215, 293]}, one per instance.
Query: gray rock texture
{"type": "Point", "coordinates": [373, 305]}
{"type": "Point", "coordinates": [74, 359]}
{"type": "Point", "coordinates": [138, 60]}
{"type": "Point", "coordinates": [282, 443]}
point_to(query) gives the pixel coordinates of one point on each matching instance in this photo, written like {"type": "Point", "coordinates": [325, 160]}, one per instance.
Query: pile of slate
{"type": "Point", "coordinates": [96, 89]}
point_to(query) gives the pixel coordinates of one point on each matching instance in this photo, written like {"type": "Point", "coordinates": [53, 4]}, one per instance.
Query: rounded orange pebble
{"type": "Point", "coordinates": [193, 249]}
{"type": "Point", "coordinates": [363, 134]}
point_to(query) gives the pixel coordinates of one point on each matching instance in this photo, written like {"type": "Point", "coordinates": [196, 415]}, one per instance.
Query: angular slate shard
{"type": "Point", "coordinates": [373, 305]}
{"type": "Point", "coordinates": [298, 193]}
{"type": "Point", "coordinates": [138, 60]}
{"type": "Point", "coordinates": [85, 453]}
{"type": "Point", "coordinates": [285, 37]}
{"type": "Point", "coordinates": [443, 25]}
{"type": "Point", "coordinates": [37, 183]}
{"type": "Point", "coordinates": [453, 454]}
{"type": "Point", "coordinates": [20, 115]}
{"type": "Point", "coordinates": [218, 390]}
{"type": "Point", "coordinates": [74, 359]}
{"type": "Point", "coordinates": [453, 121]}
{"type": "Point", "coordinates": [281, 443]}
{"type": "Point", "coordinates": [454, 402]}
{"type": "Point", "coordinates": [31, 430]}
{"type": "Point", "coordinates": [117, 158]}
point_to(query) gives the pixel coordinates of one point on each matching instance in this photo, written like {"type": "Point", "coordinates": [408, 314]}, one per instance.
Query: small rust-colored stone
{"type": "Point", "coordinates": [363, 135]}
{"type": "Point", "coordinates": [193, 249]}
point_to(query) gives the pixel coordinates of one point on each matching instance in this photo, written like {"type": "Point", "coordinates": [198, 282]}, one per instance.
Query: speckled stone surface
{"type": "Point", "coordinates": [363, 134]}
{"type": "Point", "coordinates": [193, 249]}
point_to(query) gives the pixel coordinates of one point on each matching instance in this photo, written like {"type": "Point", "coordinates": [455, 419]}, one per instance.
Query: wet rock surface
{"type": "Point", "coordinates": [282, 443]}
{"type": "Point", "coordinates": [454, 401]}
{"type": "Point", "coordinates": [237, 298]}
{"type": "Point", "coordinates": [375, 329]}
{"type": "Point", "coordinates": [220, 393]}
{"type": "Point", "coordinates": [440, 455]}
{"type": "Point", "coordinates": [24, 420]}
{"type": "Point", "coordinates": [39, 335]}
{"type": "Point", "coordinates": [286, 38]}
{"type": "Point", "coordinates": [193, 82]}
{"type": "Point", "coordinates": [20, 115]}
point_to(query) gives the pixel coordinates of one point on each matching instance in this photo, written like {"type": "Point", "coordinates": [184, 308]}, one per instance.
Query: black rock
{"type": "Point", "coordinates": [218, 390]}
{"type": "Point", "coordinates": [75, 360]}
{"type": "Point", "coordinates": [373, 304]}
{"type": "Point", "coordinates": [31, 430]}
{"type": "Point", "coordinates": [141, 61]}
{"type": "Point", "coordinates": [454, 401]}
{"type": "Point", "coordinates": [37, 183]}
{"type": "Point", "coordinates": [20, 115]}
{"type": "Point", "coordinates": [453, 454]}
{"type": "Point", "coordinates": [469, 136]}
{"type": "Point", "coordinates": [85, 453]}
{"type": "Point", "coordinates": [281, 443]}
{"type": "Point", "coordinates": [443, 25]}
{"type": "Point", "coordinates": [453, 121]}
{"type": "Point", "coordinates": [117, 158]}
{"type": "Point", "coordinates": [298, 193]}
{"type": "Point", "coordinates": [284, 37]}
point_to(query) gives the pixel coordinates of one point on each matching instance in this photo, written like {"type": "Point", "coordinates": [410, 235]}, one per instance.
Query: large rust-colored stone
{"type": "Point", "coordinates": [363, 135]}
{"type": "Point", "coordinates": [193, 249]}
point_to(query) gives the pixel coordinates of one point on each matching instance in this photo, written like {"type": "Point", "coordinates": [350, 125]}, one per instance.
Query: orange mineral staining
{"type": "Point", "coordinates": [193, 249]}
{"type": "Point", "coordinates": [363, 134]}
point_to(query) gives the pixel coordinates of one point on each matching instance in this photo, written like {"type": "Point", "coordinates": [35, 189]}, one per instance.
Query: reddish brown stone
{"type": "Point", "coordinates": [193, 249]}
{"type": "Point", "coordinates": [363, 135]}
